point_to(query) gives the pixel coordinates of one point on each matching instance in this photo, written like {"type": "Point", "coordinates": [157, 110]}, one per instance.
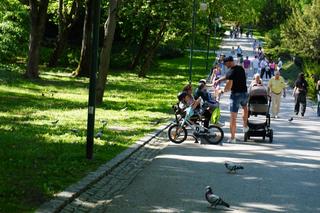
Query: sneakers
{"type": "Point", "coordinates": [232, 140]}
{"type": "Point", "coordinates": [219, 124]}
{"type": "Point", "coordinates": [245, 129]}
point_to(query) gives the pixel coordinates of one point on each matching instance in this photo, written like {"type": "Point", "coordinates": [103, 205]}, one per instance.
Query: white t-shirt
{"type": "Point", "coordinates": [279, 65]}
{"type": "Point", "coordinates": [255, 63]}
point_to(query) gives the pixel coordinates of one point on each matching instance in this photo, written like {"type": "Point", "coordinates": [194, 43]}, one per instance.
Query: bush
{"type": "Point", "coordinates": [273, 38]}
{"type": "Point", "coordinates": [312, 71]}
{"type": "Point", "coordinates": [13, 30]}
{"type": "Point", "coordinates": [169, 52]}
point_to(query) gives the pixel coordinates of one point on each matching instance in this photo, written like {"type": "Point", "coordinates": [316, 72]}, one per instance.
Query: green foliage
{"type": "Point", "coordinates": [69, 58]}
{"type": "Point", "coordinates": [290, 72]}
{"type": "Point", "coordinates": [273, 38]}
{"type": "Point", "coordinates": [137, 15]}
{"type": "Point", "coordinates": [169, 50]}
{"type": "Point", "coordinates": [301, 31]}
{"type": "Point", "coordinates": [273, 13]}
{"type": "Point", "coordinates": [13, 30]}
{"type": "Point", "coordinates": [312, 71]}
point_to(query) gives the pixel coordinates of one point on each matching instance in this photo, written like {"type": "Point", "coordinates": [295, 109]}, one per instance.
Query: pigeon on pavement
{"type": "Point", "coordinates": [232, 167]}
{"type": "Point", "coordinates": [213, 199]}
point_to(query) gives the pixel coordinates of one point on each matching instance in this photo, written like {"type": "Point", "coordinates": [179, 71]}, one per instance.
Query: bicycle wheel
{"type": "Point", "coordinates": [215, 135]}
{"type": "Point", "coordinates": [177, 134]}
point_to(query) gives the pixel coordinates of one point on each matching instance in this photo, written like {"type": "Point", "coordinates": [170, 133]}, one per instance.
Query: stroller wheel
{"type": "Point", "coordinates": [271, 136]}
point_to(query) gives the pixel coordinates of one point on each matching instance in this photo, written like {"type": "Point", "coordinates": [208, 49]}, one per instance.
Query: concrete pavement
{"type": "Point", "coordinates": [279, 177]}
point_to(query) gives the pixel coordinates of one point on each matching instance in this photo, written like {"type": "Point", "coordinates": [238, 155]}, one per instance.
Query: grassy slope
{"type": "Point", "coordinates": [39, 158]}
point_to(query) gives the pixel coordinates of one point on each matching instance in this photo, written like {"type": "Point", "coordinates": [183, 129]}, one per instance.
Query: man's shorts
{"type": "Point", "coordinates": [237, 99]}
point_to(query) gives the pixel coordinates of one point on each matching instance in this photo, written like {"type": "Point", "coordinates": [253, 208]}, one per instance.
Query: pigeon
{"type": "Point", "coordinates": [99, 134]}
{"type": "Point", "coordinates": [232, 167]}
{"type": "Point", "coordinates": [75, 130]}
{"type": "Point", "coordinates": [213, 199]}
{"type": "Point", "coordinates": [104, 123]}
{"type": "Point", "coordinates": [123, 109]}
{"type": "Point", "coordinates": [55, 122]}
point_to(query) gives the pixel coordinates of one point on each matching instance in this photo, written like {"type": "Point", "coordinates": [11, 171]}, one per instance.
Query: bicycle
{"type": "Point", "coordinates": [188, 119]}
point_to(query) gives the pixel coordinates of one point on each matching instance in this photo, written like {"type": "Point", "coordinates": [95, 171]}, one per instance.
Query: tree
{"type": "Point", "coordinates": [109, 29]}
{"type": "Point", "coordinates": [84, 66]}
{"type": "Point", "coordinates": [301, 31]}
{"type": "Point", "coordinates": [38, 14]}
{"type": "Point", "coordinates": [66, 19]}
{"type": "Point", "coordinates": [144, 25]}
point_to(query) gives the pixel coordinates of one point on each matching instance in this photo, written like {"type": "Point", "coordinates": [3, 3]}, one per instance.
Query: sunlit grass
{"type": "Point", "coordinates": [39, 158]}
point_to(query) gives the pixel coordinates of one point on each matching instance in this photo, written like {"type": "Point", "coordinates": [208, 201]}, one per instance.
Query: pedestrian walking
{"type": "Point", "coordinates": [236, 83]}
{"type": "Point", "coordinates": [246, 65]}
{"type": "Point", "coordinates": [272, 67]}
{"type": "Point", "coordinates": [255, 65]}
{"type": "Point", "coordinates": [263, 66]}
{"type": "Point", "coordinates": [239, 51]}
{"type": "Point", "coordinates": [276, 87]}
{"type": "Point", "coordinates": [254, 46]}
{"type": "Point", "coordinates": [318, 97]}
{"type": "Point", "coordinates": [233, 51]}
{"type": "Point", "coordinates": [300, 94]}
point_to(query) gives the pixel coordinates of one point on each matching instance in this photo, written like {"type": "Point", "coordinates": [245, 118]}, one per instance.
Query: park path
{"type": "Point", "coordinates": [166, 177]}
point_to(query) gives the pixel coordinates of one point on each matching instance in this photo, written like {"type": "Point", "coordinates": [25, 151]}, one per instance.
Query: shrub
{"type": "Point", "coordinates": [169, 52]}
{"type": "Point", "coordinates": [273, 38]}
{"type": "Point", "coordinates": [13, 30]}
{"type": "Point", "coordinates": [312, 71]}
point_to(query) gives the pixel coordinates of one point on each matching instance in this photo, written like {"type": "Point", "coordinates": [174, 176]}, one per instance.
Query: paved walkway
{"type": "Point", "coordinates": [166, 177]}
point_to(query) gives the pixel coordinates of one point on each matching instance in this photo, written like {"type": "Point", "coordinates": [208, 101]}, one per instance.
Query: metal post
{"type": "Point", "coordinates": [208, 43]}
{"type": "Point", "coordinates": [214, 37]}
{"type": "Point", "coordinates": [192, 40]}
{"type": "Point", "coordinates": [92, 84]}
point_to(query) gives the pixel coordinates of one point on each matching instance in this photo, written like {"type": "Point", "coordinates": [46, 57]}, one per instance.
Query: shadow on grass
{"type": "Point", "coordinates": [34, 158]}
{"type": "Point", "coordinates": [17, 102]}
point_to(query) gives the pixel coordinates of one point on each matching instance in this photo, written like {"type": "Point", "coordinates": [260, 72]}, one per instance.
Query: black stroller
{"type": "Point", "coordinates": [259, 105]}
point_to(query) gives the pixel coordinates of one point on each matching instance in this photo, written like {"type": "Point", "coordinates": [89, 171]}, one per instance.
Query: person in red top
{"type": "Point", "coordinates": [272, 67]}
{"type": "Point", "coordinates": [246, 65]}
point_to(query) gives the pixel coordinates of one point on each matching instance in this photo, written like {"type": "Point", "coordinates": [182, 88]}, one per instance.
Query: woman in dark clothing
{"type": "Point", "coordinates": [300, 93]}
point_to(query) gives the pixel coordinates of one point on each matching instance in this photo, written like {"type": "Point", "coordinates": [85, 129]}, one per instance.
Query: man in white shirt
{"type": "Point", "coordinates": [255, 65]}
{"type": "Point", "coordinates": [263, 66]}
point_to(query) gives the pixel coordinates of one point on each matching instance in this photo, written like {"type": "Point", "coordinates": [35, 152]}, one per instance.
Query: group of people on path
{"type": "Point", "coordinates": [235, 73]}
{"type": "Point", "coordinates": [236, 31]}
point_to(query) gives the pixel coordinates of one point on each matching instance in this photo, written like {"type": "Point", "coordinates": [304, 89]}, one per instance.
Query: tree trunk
{"type": "Point", "coordinates": [84, 66]}
{"type": "Point", "coordinates": [109, 30]}
{"type": "Point", "coordinates": [38, 14]}
{"type": "Point", "coordinates": [150, 54]}
{"type": "Point", "coordinates": [142, 46]}
{"type": "Point", "coordinates": [66, 21]}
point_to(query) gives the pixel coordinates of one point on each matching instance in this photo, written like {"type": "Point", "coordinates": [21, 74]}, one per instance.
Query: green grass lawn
{"type": "Point", "coordinates": [39, 158]}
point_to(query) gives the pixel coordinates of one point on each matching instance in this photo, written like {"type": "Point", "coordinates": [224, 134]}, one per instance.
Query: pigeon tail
{"type": "Point", "coordinates": [239, 167]}
{"type": "Point", "coordinates": [223, 203]}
